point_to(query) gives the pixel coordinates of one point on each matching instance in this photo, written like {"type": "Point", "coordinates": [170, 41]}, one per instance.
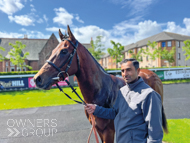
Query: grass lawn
{"type": "Point", "coordinates": [36, 98]}
{"type": "Point", "coordinates": [40, 98]}
{"type": "Point", "coordinates": [179, 131]}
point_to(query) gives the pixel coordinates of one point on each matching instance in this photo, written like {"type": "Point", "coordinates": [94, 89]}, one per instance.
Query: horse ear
{"type": "Point", "coordinates": [61, 35]}
{"type": "Point", "coordinates": [71, 36]}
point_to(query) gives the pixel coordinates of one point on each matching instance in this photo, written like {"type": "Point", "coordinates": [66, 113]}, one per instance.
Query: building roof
{"type": "Point", "coordinates": [33, 46]}
{"type": "Point", "coordinates": [163, 36]}
{"type": "Point", "coordinates": [86, 45]}
{"type": "Point", "coordinates": [105, 56]}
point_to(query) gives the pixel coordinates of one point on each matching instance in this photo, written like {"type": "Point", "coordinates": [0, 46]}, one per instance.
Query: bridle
{"type": "Point", "coordinates": [69, 61]}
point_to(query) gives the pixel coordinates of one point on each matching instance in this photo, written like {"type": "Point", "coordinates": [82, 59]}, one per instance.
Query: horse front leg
{"type": "Point", "coordinates": [105, 128]}
{"type": "Point", "coordinates": [107, 134]}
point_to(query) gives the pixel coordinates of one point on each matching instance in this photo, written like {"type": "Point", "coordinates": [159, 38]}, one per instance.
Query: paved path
{"type": "Point", "coordinates": [177, 100]}
{"type": "Point", "coordinates": [68, 124]}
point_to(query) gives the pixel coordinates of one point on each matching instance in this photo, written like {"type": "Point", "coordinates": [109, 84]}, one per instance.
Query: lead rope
{"type": "Point", "coordinates": [91, 116]}
{"type": "Point", "coordinates": [94, 129]}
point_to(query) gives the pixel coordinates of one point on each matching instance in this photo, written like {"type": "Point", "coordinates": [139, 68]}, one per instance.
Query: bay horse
{"type": "Point", "coordinates": [97, 86]}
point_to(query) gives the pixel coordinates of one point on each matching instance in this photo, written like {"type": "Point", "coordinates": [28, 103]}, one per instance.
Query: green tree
{"type": "Point", "coordinates": [17, 57]}
{"type": "Point", "coordinates": [151, 51]}
{"type": "Point", "coordinates": [186, 48]}
{"type": "Point", "coordinates": [116, 52]}
{"type": "Point", "coordinates": [137, 56]}
{"type": "Point", "coordinates": [168, 55]}
{"type": "Point", "coordinates": [1, 56]}
{"type": "Point", "coordinates": [97, 48]}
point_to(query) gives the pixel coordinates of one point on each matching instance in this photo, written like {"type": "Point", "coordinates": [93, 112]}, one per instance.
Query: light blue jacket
{"type": "Point", "coordinates": [137, 114]}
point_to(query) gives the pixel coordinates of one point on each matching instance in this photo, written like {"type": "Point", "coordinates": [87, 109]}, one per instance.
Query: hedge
{"type": "Point", "coordinates": [18, 73]}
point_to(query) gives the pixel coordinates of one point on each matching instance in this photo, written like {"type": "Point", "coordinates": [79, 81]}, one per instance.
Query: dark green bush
{"type": "Point", "coordinates": [18, 73]}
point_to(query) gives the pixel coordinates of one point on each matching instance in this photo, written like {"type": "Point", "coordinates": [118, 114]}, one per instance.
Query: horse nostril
{"type": "Point", "coordinates": [38, 80]}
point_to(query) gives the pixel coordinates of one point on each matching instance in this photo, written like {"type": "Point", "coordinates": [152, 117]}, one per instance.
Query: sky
{"type": "Point", "coordinates": [123, 21]}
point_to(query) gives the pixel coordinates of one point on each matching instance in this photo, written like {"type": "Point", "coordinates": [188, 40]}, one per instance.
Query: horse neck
{"type": "Point", "coordinates": [91, 77]}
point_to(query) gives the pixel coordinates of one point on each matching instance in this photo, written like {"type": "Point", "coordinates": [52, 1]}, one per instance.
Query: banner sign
{"type": "Point", "coordinates": [160, 74]}
{"type": "Point", "coordinates": [12, 83]}
{"type": "Point", "coordinates": [31, 83]}
{"type": "Point", "coordinates": [179, 74]}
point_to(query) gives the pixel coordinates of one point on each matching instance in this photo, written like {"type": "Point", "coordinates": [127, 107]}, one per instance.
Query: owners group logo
{"type": "Point", "coordinates": [31, 127]}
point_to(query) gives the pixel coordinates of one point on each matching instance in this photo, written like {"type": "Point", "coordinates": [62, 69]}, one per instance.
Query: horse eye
{"type": "Point", "coordinates": [64, 51]}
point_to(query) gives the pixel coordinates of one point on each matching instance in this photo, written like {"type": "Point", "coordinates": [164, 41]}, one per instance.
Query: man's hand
{"type": "Point", "coordinates": [90, 108]}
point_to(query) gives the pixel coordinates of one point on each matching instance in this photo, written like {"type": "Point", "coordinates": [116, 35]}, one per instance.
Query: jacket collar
{"type": "Point", "coordinates": [133, 85]}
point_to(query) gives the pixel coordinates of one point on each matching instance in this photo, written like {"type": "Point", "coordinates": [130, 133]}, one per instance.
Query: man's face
{"type": "Point", "coordinates": [128, 72]}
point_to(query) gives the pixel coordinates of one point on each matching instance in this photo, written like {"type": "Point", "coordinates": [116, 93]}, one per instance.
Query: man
{"type": "Point", "coordinates": [1, 86]}
{"type": "Point", "coordinates": [137, 111]}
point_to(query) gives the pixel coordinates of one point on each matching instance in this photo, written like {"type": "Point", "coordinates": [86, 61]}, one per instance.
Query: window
{"type": "Point", "coordinates": [169, 43]}
{"type": "Point", "coordinates": [146, 58]}
{"type": "Point", "coordinates": [18, 69]}
{"type": "Point", "coordinates": [179, 56]}
{"type": "Point", "coordinates": [178, 44]}
{"type": "Point", "coordinates": [141, 58]}
{"type": "Point", "coordinates": [163, 44]}
{"type": "Point", "coordinates": [12, 64]}
{"type": "Point", "coordinates": [7, 64]}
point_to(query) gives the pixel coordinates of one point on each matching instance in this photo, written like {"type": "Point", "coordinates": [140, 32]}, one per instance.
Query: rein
{"type": "Point", "coordinates": [69, 61]}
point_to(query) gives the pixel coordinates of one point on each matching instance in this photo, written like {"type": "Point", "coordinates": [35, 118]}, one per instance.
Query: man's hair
{"type": "Point", "coordinates": [134, 61]}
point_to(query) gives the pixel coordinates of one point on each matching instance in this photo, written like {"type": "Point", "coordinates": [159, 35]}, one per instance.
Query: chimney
{"type": "Point", "coordinates": [25, 36]}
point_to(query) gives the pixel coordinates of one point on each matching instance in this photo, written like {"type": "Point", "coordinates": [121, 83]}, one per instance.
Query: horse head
{"type": "Point", "coordinates": [61, 63]}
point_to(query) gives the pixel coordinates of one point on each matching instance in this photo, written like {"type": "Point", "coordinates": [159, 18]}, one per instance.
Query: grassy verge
{"type": "Point", "coordinates": [176, 81]}
{"type": "Point", "coordinates": [179, 131]}
{"type": "Point", "coordinates": [36, 98]}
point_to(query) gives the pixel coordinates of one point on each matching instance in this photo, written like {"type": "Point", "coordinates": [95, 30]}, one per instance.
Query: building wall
{"type": "Point", "coordinates": [158, 62]}
{"type": "Point", "coordinates": [1, 66]}
{"type": "Point", "coordinates": [164, 63]}
{"type": "Point", "coordinates": [6, 66]}
{"type": "Point", "coordinates": [34, 65]}
{"type": "Point", "coordinates": [47, 49]}
{"type": "Point", "coordinates": [181, 61]}
{"type": "Point", "coordinates": [101, 62]}
{"type": "Point", "coordinates": [147, 61]}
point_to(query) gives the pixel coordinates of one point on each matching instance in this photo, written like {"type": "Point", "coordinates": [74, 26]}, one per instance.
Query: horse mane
{"type": "Point", "coordinates": [96, 61]}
